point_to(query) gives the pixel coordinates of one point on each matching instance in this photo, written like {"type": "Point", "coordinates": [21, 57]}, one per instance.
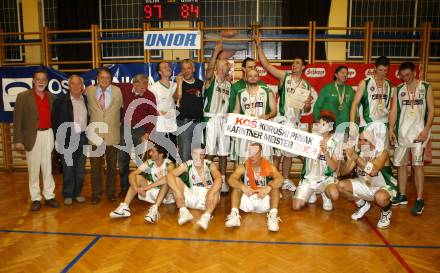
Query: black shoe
{"type": "Point", "coordinates": [95, 200]}
{"type": "Point", "coordinates": [111, 197]}
{"type": "Point", "coordinates": [52, 203]}
{"type": "Point", "coordinates": [418, 207]}
{"type": "Point", "coordinates": [36, 206]}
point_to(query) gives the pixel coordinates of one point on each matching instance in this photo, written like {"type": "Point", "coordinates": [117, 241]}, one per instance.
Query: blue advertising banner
{"type": "Point", "coordinates": [15, 80]}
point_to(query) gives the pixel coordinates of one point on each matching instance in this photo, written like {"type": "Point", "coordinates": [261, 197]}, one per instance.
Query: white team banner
{"type": "Point", "coordinates": [172, 39]}
{"type": "Point", "coordinates": [273, 134]}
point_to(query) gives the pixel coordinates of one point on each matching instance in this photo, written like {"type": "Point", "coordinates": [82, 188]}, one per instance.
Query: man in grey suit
{"type": "Point", "coordinates": [104, 102]}
{"type": "Point", "coordinates": [33, 134]}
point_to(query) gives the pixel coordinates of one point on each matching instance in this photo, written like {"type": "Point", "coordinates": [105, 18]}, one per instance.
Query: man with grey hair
{"type": "Point", "coordinates": [69, 122]}
{"type": "Point", "coordinates": [139, 103]}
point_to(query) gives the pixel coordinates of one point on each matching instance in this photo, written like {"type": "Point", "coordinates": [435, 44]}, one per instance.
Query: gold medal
{"type": "Point", "coordinates": [341, 97]}
{"type": "Point", "coordinates": [412, 111]}
{"type": "Point", "coordinates": [380, 106]}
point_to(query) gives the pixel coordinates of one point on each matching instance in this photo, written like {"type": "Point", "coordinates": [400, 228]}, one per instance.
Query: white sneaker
{"type": "Point", "coordinates": [122, 211]}
{"type": "Point", "coordinates": [312, 198]}
{"type": "Point", "coordinates": [204, 220]}
{"type": "Point", "coordinates": [385, 219]}
{"type": "Point", "coordinates": [288, 185]}
{"type": "Point", "coordinates": [152, 215]}
{"type": "Point", "coordinates": [327, 204]}
{"type": "Point", "coordinates": [184, 216]}
{"type": "Point", "coordinates": [225, 187]}
{"type": "Point", "coordinates": [233, 220]}
{"type": "Point", "coordinates": [361, 210]}
{"type": "Point", "coordinates": [272, 221]}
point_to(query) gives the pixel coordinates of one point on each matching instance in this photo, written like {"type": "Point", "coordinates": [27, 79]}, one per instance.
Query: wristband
{"type": "Point", "coordinates": [368, 168]}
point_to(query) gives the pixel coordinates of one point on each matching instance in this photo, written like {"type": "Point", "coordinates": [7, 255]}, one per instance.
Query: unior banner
{"type": "Point", "coordinates": [273, 134]}
{"type": "Point", "coordinates": [172, 39]}
{"type": "Point", "coordinates": [15, 80]}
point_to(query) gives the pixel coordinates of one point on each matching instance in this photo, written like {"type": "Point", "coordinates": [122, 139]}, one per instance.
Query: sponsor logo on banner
{"type": "Point", "coordinates": [11, 88]}
{"type": "Point", "coordinates": [273, 134]}
{"type": "Point", "coordinates": [261, 71]}
{"type": "Point", "coordinates": [315, 72]}
{"type": "Point", "coordinates": [172, 40]}
{"type": "Point", "coordinates": [351, 73]}
{"type": "Point", "coordinates": [369, 72]}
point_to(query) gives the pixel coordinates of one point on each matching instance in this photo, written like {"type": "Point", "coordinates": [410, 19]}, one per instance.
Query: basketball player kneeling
{"type": "Point", "coordinates": [375, 182]}
{"type": "Point", "coordinates": [319, 175]}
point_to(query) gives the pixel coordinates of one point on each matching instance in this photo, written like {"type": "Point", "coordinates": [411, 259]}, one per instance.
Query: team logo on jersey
{"type": "Point", "coordinates": [261, 71]}
{"type": "Point", "coordinates": [403, 94]}
{"type": "Point", "coordinates": [372, 88]}
{"type": "Point", "coordinates": [244, 99]}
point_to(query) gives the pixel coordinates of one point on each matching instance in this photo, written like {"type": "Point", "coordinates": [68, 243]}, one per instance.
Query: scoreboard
{"type": "Point", "coordinates": [171, 10]}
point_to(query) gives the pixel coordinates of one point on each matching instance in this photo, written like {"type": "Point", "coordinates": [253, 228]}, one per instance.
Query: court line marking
{"type": "Point", "coordinates": [202, 240]}
{"type": "Point", "coordinates": [82, 253]}
{"type": "Point", "coordinates": [390, 247]}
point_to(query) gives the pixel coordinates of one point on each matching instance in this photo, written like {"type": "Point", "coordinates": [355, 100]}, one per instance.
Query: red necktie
{"type": "Point", "coordinates": [102, 100]}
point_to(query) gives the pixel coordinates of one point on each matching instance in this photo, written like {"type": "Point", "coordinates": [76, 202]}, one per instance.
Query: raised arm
{"type": "Point", "coordinates": [211, 65]}
{"type": "Point", "coordinates": [350, 163]}
{"type": "Point", "coordinates": [178, 94]}
{"type": "Point", "coordinates": [265, 63]}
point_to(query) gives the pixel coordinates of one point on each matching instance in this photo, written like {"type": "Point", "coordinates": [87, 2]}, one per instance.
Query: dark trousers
{"type": "Point", "coordinates": [73, 176]}
{"type": "Point", "coordinates": [111, 157]}
{"type": "Point", "coordinates": [124, 157]}
{"type": "Point", "coordinates": [188, 137]}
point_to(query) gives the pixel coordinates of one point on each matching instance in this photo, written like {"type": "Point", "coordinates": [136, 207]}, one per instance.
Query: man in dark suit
{"type": "Point", "coordinates": [33, 134]}
{"type": "Point", "coordinates": [69, 122]}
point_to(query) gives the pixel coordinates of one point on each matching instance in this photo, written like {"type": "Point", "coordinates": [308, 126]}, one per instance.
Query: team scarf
{"type": "Point", "coordinates": [265, 170]}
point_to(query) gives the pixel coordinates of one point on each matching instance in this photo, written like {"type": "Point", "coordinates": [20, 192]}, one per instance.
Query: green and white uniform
{"type": "Point", "coordinates": [196, 187]}
{"type": "Point", "coordinates": [252, 106]}
{"type": "Point", "coordinates": [151, 172]}
{"type": "Point", "coordinates": [410, 123]}
{"type": "Point", "coordinates": [287, 114]}
{"type": "Point", "coordinates": [316, 174]}
{"type": "Point", "coordinates": [375, 104]}
{"type": "Point", "coordinates": [253, 203]}
{"type": "Point", "coordinates": [215, 109]}
{"type": "Point", "coordinates": [366, 186]}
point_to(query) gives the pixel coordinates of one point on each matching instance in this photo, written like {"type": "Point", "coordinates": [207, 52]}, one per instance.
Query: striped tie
{"type": "Point", "coordinates": [102, 100]}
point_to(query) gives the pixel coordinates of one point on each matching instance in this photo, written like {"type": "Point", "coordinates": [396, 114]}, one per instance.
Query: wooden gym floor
{"type": "Point", "coordinates": [82, 238]}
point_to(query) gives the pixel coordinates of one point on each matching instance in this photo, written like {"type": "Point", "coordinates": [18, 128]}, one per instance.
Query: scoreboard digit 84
{"type": "Point", "coordinates": [171, 10]}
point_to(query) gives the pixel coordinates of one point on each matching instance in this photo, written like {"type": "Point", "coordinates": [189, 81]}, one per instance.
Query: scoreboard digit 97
{"type": "Point", "coordinates": [171, 10]}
